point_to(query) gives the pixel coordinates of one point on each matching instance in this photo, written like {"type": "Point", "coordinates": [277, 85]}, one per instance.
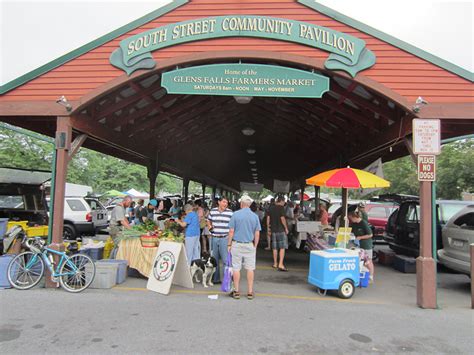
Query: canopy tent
{"type": "Point", "coordinates": [113, 193]}
{"type": "Point", "coordinates": [137, 194]}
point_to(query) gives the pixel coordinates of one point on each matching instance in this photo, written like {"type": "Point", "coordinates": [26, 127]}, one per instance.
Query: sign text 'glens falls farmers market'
{"type": "Point", "coordinates": [245, 80]}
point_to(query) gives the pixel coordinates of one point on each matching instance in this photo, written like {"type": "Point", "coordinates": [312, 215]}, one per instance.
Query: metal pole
{"type": "Point", "coordinates": [472, 275]}
{"type": "Point", "coordinates": [434, 234]}
{"type": "Point", "coordinates": [51, 198]}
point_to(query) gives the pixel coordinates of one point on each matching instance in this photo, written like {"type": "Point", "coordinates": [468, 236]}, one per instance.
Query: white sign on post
{"type": "Point", "coordinates": [426, 167]}
{"type": "Point", "coordinates": [170, 267]}
{"type": "Point", "coordinates": [426, 136]}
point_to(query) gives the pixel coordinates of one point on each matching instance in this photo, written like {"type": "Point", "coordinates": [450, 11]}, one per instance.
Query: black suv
{"type": "Point", "coordinates": [403, 226]}
{"type": "Point", "coordinates": [22, 196]}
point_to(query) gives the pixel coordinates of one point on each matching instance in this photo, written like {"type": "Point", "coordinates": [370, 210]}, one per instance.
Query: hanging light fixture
{"type": "Point", "coordinates": [252, 162]}
{"type": "Point", "coordinates": [251, 150]}
{"type": "Point", "coordinates": [253, 169]}
{"type": "Point", "coordinates": [243, 100]}
{"type": "Point", "coordinates": [248, 131]}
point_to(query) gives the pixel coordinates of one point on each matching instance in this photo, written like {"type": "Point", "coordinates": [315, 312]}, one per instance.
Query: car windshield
{"type": "Point", "coordinates": [94, 204]}
{"type": "Point", "coordinates": [448, 210]}
{"type": "Point", "coordinates": [13, 202]}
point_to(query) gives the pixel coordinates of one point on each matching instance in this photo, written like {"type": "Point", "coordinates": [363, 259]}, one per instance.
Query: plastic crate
{"type": "Point", "coordinates": [22, 224]}
{"type": "Point", "coordinates": [40, 231]}
{"type": "Point", "coordinates": [105, 275]}
{"type": "Point", "coordinates": [121, 271]}
{"type": "Point", "coordinates": [94, 253]}
{"type": "Point", "coordinates": [4, 261]}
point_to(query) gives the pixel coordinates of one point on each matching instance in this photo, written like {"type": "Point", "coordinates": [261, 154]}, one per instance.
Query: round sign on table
{"type": "Point", "coordinates": [164, 266]}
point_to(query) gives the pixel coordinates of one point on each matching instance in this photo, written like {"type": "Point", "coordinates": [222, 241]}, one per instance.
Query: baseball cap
{"type": "Point", "coordinates": [246, 198]}
{"type": "Point", "coordinates": [153, 202]}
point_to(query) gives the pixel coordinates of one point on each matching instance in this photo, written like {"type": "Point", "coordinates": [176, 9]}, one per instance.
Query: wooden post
{"type": "Point", "coordinates": [63, 145]}
{"type": "Point", "coordinates": [425, 265]}
{"type": "Point", "coordinates": [203, 193]}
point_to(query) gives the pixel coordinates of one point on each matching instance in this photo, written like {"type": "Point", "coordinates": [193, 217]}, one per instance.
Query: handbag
{"type": "Point", "coordinates": [226, 285]}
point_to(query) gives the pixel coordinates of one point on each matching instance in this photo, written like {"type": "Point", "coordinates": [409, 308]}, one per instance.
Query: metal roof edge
{"type": "Point", "coordinates": [91, 45]}
{"type": "Point", "coordinates": [444, 64]}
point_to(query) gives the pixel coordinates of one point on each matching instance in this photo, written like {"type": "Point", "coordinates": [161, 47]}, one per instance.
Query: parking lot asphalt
{"type": "Point", "coordinates": [287, 316]}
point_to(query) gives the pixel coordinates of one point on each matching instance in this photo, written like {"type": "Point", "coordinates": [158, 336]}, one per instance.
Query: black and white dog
{"type": "Point", "coordinates": [205, 268]}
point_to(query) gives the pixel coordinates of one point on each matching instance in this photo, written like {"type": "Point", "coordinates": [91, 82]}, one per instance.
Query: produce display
{"type": "Point", "coordinates": [173, 232]}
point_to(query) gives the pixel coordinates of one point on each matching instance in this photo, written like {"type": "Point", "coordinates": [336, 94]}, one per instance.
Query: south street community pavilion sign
{"type": "Point", "coordinates": [348, 53]}
{"type": "Point", "coordinates": [245, 79]}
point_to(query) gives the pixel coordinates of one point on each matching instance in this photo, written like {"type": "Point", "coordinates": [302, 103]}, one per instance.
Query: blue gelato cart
{"type": "Point", "coordinates": [334, 269]}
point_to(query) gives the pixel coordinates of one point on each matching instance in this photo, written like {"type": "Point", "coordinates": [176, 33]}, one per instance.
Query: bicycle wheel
{"type": "Point", "coordinates": [77, 273]}
{"type": "Point", "coordinates": [25, 270]}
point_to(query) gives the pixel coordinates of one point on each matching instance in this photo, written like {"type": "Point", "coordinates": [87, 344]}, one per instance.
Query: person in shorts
{"type": "Point", "coordinates": [244, 234]}
{"type": "Point", "coordinates": [363, 234]}
{"type": "Point", "coordinates": [279, 232]}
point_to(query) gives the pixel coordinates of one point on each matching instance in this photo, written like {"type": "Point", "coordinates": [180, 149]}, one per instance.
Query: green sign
{"type": "Point", "coordinates": [245, 80]}
{"type": "Point", "coordinates": [348, 53]}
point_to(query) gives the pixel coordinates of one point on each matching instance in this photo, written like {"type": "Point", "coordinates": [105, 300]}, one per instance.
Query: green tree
{"type": "Point", "coordinates": [455, 170]}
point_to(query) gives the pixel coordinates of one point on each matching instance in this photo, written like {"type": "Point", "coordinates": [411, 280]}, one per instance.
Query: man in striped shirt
{"type": "Point", "coordinates": [218, 224]}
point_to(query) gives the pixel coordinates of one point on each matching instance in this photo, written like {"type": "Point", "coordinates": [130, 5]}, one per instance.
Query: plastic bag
{"type": "Point", "coordinates": [226, 285]}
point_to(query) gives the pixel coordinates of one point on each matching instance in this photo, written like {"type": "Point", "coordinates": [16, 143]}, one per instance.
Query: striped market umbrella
{"type": "Point", "coordinates": [347, 178]}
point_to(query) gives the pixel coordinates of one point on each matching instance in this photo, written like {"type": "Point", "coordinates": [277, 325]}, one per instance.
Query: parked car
{"type": "Point", "coordinates": [403, 226]}
{"type": "Point", "coordinates": [83, 216]}
{"type": "Point", "coordinates": [378, 213]}
{"type": "Point", "coordinates": [458, 234]}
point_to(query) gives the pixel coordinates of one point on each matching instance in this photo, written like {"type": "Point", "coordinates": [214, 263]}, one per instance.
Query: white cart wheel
{"type": "Point", "coordinates": [346, 289]}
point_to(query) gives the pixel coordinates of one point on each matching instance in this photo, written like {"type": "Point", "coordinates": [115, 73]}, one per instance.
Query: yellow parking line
{"type": "Point", "coordinates": [270, 295]}
{"type": "Point", "coordinates": [271, 268]}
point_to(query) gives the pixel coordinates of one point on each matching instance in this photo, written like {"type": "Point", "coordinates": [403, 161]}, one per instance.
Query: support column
{"type": "Point", "coordinates": [316, 201]}
{"type": "Point", "coordinates": [425, 264]}
{"type": "Point", "coordinates": [203, 193]}
{"type": "Point", "coordinates": [185, 189]}
{"type": "Point", "coordinates": [152, 174]}
{"type": "Point", "coordinates": [214, 191]}
{"type": "Point", "coordinates": [303, 185]}
{"type": "Point", "coordinates": [63, 145]}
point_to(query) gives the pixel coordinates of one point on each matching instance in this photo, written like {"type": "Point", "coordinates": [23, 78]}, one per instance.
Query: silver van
{"type": "Point", "coordinates": [458, 235]}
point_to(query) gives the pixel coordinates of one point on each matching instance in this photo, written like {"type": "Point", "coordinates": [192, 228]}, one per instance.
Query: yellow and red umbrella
{"type": "Point", "coordinates": [348, 178]}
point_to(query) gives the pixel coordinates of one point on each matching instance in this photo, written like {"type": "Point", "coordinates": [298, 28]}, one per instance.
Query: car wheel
{"type": "Point", "coordinates": [69, 232]}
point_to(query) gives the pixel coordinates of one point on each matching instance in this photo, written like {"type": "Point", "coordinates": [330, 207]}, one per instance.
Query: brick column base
{"type": "Point", "coordinates": [426, 283]}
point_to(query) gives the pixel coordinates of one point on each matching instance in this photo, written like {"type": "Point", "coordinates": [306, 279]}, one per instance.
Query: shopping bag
{"type": "Point", "coordinates": [226, 285]}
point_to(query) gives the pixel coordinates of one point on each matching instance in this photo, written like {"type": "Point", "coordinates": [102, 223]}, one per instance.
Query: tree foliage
{"type": "Point", "coordinates": [455, 169]}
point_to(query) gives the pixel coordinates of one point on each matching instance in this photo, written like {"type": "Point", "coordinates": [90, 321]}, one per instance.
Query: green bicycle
{"type": "Point", "coordinates": [75, 273]}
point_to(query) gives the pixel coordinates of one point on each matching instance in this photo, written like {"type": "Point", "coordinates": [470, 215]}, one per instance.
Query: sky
{"type": "Point", "coordinates": [36, 32]}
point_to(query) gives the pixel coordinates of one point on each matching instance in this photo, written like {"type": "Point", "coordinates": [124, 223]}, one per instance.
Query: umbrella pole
{"type": "Point", "coordinates": [345, 194]}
